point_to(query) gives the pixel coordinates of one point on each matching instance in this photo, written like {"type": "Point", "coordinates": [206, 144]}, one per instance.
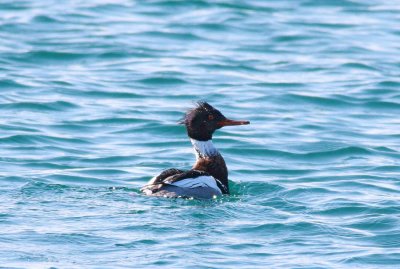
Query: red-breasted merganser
{"type": "Point", "coordinates": [209, 176]}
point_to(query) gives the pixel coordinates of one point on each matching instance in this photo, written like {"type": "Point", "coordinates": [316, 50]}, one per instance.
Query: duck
{"type": "Point", "coordinates": [208, 178]}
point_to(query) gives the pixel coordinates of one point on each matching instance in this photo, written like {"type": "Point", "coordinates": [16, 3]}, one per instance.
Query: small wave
{"type": "Point", "coordinates": [282, 172]}
{"type": "Point", "coordinates": [346, 151]}
{"type": "Point", "coordinates": [389, 84]}
{"type": "Point", "coordinates": [15, 6]}
{"type": "Point", "coordinates": [254, 188]}
{"type": "Point", "coordinates": [138, 243]}
{"type": "Point", "coordinates": [111, 159]}
{"type": "Point", "coordinates": [385, 149]}
{"type": "Point", "coordinates": [112, 121]}
{"type": "Point", "coordinates": [375, 259]}
{"type": "Point", "coordinates": [391, 240]}
{"type": "Point", "coordinates": [39, 139]}
{"type": "Point", "coordinates": [322, 25]}
{"type": "Point", "coordinates": [13, 179]}
{"type": "Point", "coordinates": [37, 106]}
{"type": "Point", "coordinates": [384, 105]}
{"type": "Point", "coordinates": [46, 165]}
{"type": "Point", "coordinates": [99, 171]}
{"type": "Point", "coordinates": [300, 193]}
{"type": "Point", "coordinates": [173, 5]}
{"type": "Point", "coordinates": [162, 81]}
{"type": "Point", "coordinates": [317, 100]}
{"type": "Point", "coordinates": [44, 19]}
{"type": "Point", "coordinates": [227, 66]}
{"type": "Point", "coordinates": [279, 84]}
{"type": "Point", "coordinates": [240, 8]}
{"type": "Point", "coordinates": [361, 66]}
{"type": "Point", "coordinates": [171, 35]}
{"type": "Point", "coordinates": [386, 168]}
{"type": "Point", "coordinates": [74, 238]}
{"type": "Point", "coordinates": [384, 223]}
{"type": "Point", "coordinates": [292, 38]}
{"type": "Point", "coordinates": [380, 92]}
{"type": "Point", "coordinates": [279, 227]}
{"type": "Point", "coordinates": [111, 94]}
{"type": "Point", "coordinates": [79, 180]}
{"type": "Point", "coordinates": [40, 186]}
{"type": "Point", "coordinates": [370, 185]}
{"type": "Point", "coordinates": [351, 210]}
{"type": "Point", "coordinates": [12, 84]}
{"type": "Point", "coordinates": [43, 55]}
{"type": "Point", "coordinates": [336, 3]}
{"type": "Point", "coordinates": [335, 153]}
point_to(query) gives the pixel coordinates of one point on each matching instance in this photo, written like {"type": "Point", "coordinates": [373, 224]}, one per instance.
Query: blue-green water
{"type": "Point", "coordinates": [90, 95]}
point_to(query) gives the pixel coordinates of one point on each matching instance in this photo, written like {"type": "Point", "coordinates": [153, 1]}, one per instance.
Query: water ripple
{"type": "Point", "coordinates": [90, 96]}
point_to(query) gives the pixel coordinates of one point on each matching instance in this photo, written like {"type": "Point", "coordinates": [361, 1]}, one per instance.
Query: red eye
{"type": "Point", "coordinates": [210, 117]}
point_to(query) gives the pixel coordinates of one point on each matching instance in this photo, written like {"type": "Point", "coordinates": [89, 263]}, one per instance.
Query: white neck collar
{"type": "Point", "coordinates": [203, 148]}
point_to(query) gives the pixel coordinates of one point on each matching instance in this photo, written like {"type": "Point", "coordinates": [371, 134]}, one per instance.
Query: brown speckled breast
{"type": "Point", "coordinates": [215, 166]}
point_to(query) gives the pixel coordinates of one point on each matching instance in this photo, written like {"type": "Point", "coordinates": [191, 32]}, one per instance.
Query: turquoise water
{"type": "Point", "coordinates": [90, 96]}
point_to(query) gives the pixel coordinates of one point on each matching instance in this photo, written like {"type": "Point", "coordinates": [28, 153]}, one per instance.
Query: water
{"type": "Point", "coordinates": [91, 92]}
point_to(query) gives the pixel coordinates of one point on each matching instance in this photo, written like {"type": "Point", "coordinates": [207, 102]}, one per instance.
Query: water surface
{"type": "Point", "coordinates": [90, 96]}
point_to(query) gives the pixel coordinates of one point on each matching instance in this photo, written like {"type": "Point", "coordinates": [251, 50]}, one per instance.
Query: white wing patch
{"type": "Point", "coordinates": [152, 180]}
{"type": "Point", "coordinates": [201, 181]}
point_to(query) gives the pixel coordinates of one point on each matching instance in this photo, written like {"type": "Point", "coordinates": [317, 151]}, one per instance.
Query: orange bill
{"type": "Point", "coordinates": [228, 122]}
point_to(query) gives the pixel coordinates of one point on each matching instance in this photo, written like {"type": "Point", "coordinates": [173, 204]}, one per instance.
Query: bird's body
{"type": "Point", "coordinates": [208, 177]}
